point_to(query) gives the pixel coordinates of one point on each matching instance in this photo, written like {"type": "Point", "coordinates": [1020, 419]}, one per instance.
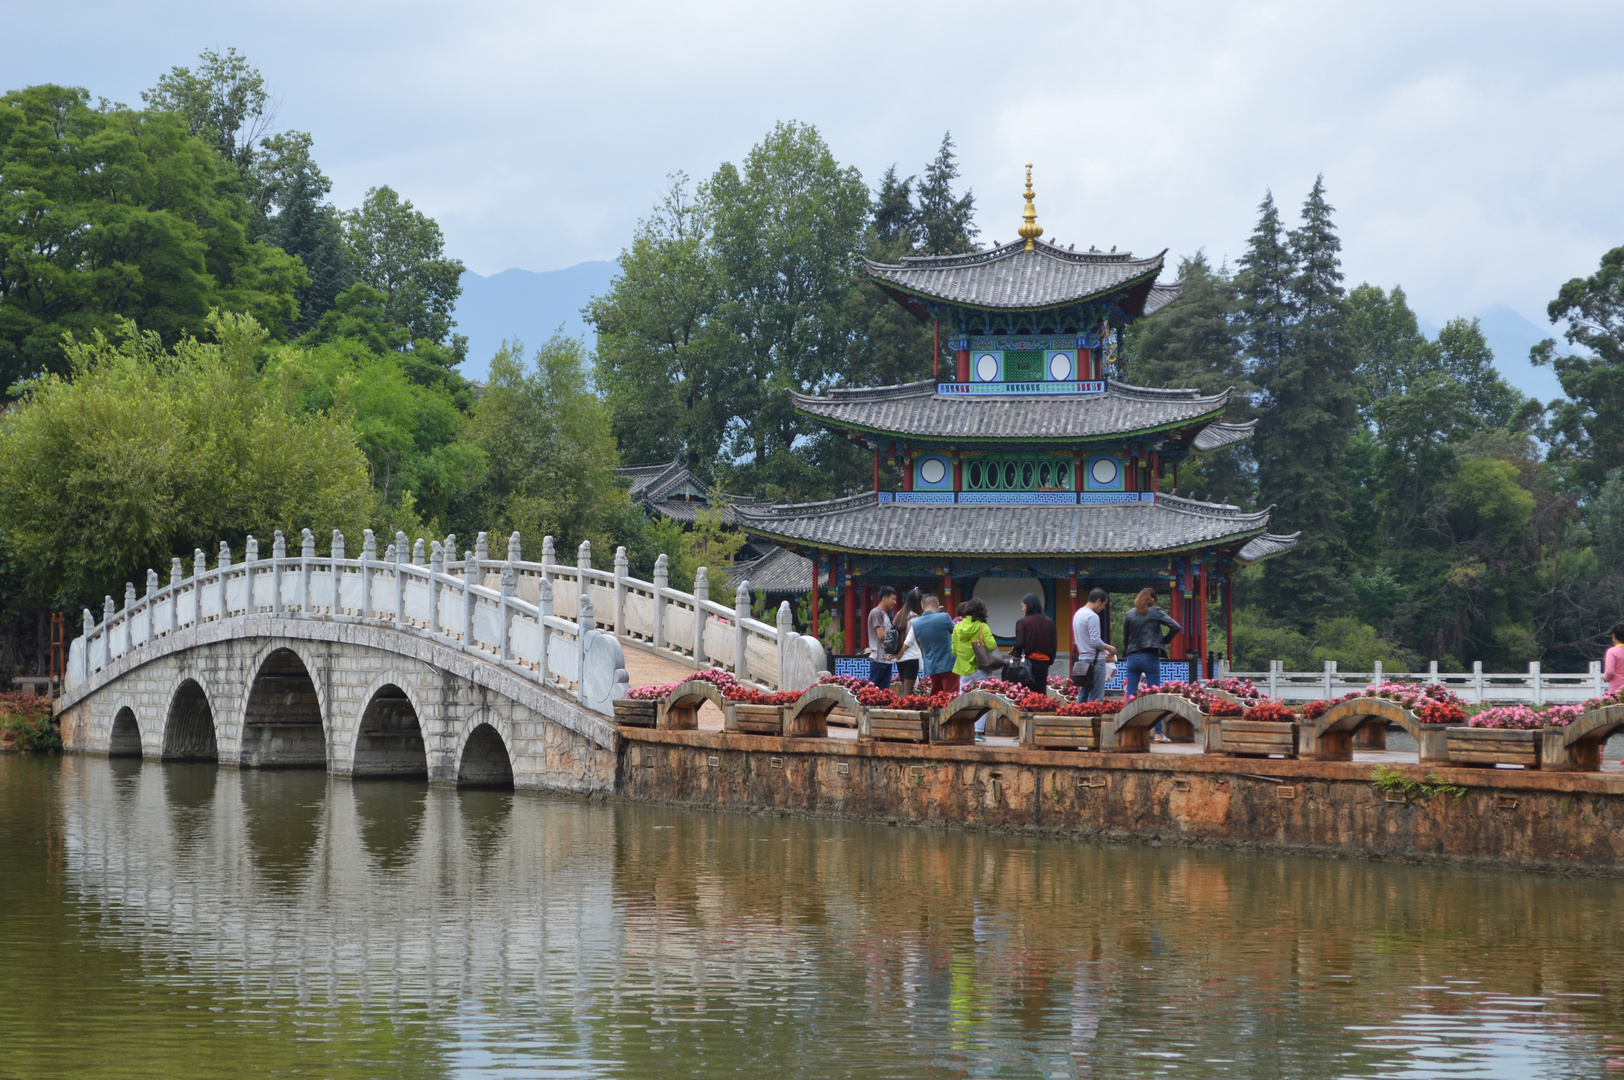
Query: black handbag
{"type": "Point", "coordinates": [1018, 671]}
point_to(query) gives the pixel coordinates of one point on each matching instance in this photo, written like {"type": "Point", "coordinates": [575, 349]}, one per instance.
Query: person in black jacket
{"type": "Point", "coordinates": [1035, 640]}
{"type": "Point", "coordinates": [1145, 642]}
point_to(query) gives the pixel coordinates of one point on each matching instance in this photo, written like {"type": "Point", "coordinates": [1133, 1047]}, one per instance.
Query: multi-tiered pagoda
{"type": "Point", "coordinates": [1032, 466]}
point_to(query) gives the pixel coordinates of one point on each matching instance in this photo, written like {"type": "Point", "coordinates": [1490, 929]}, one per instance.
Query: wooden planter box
{"type": "Point", "coordinates": [1065, 732]}
{"type": "Point", "coordinates": [899, 725]}
{"type": "Point", "coordinates": [1258, 738]}
{"type": "Point", "coordinates": [755, 719]}
{"type": "Point", "coordinates": [1493, 746]}
{"type": "Point", "coordinates": [636, 713]}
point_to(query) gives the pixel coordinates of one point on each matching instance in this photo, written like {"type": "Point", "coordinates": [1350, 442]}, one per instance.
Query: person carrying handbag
{"type": "Point", "coordinates": [1090, 650]}
{"type": "Point", "coordinates": [1035, 642]}
{"type": "Point", "coordinates": [975, 649]}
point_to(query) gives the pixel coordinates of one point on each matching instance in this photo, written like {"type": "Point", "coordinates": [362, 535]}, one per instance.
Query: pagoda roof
{"type": "Point", "coordinates": [1215, 436]}
{"type": "Point", "coordinates": [1010, 278]}
{"type": "Point", "coordinates": [860, 524]}
{"type": "Point", "coordinates": [778, 571]}
{"type": "Point", "coordinates": [917, 411]}
{"type": "Point", "coordinates": [657, 487]}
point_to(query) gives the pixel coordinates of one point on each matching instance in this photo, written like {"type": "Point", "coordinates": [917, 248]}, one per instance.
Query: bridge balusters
{"type": "Point", "coordinates": [585, 619]}
{"type": "Point", "coordinates": [544, 604]}
{"type": "Point", "coordinates": [223, 566]}
{"type": "Point", "coordinates": [786, 632]}
{"type": "Point", "coordinates": [436, 567]}
{"type": "Point", "coordinates": [583, 583]}
{"type": "Point", "coordinates": [337, 556]}
{"type": "Point", "coordinates": [470, 574]}
{"type": "Point", "coordinates": [369, 551]}
{"type": "Point", "coordinates": [741, 612]}
{"type": "Point", "coordinates": [504, 613]}
{"type": "Point", "coordinates": [279, 551]}
{"type": "Point", "coordinates": [513, 548]}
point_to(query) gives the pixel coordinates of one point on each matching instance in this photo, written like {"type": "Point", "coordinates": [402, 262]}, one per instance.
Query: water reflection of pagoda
{"type": "Point", "coordinates": [1031, 466]}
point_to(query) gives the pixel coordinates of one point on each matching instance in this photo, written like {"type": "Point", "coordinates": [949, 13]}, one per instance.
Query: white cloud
{"type": "Point", "coordinates": [1472, 150]}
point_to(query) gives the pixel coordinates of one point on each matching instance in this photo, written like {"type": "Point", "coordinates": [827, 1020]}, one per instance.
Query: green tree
{"type": "Point", "coordinates": [552, 458]}
{"type": "Point", "coordinates": [1195, 341]}
{"type": "Point", "coordinates": [291, 192]}
{"type": "Point", "coordinates": [222, 101]}
{"type": "Point", "coordinates": [400, 251]}
{"type": "Point", "coordinates": [945, 221]}
{"type": "Point", "coordinates": [659, 340]}
{"type": "Point", "coordinates": [145, 453]}
{"type": "Point", "coordinates": [1587, 429]}
{"type": "Point", "coordinates": [1306, 377]}
{"type": "Point", "coordinates": [109, 213]}
{"type": "Point", "coordinates": [1387, 342]}
{"type": "Point", "coordinates": [786, 231]}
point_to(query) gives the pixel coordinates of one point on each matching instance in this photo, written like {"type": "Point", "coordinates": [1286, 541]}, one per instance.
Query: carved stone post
{"type": "Point", "coordinates": [337, 556]}
{"type": "Point", "coordinates": [307, 554]}
{"type": "Point", "coordinates": [623, 568]}
{"type": "Point", "coordinates": [448, 553]}
{"type": "Point", "coordinates": [436, 568]}
{"type": "Point", "coordinates": [279, 551]}
{"type": "Point", "coordinates": [152, 582]}
{"type": "Point", "coordinates": [400, 580]}
{"type": "Point", "coordinates": [250, 555]}
{"type": "Point", "coordinates": [107, 610]}
{"type": "Point", "coordinates": [224, 564]}
{"type": "Point", "coordinates": [786, 640]}
{"type": "Point", "coordinates": [583, 564]}
{"type": "Point", "coordinates": [482, 555]}
{"type": "Point", "coordinates": [369, 554]}
{"type": "Point", "coordinates": [513, 548]}
{"type": "Point", "coordinates": [585, 620]}
{"type": "Point", "coordinates": [177, 571]}
{"type": "Point", "coordinates": [544, 604]}
{"type": "Point", "coordinates": [701, 595]}
{"type": "Point", "coordinates": [662, 581]}
{"type": "Point", "coordinates": [90, 622]}
{"type": "Point", "coordinates": [741, 612]}
{"type": "Point", "coordinates": [417, 553]}
{"type": "Point", "coordinates": [504, 613]}
{"type": "Point", "coordinates": [470, 574]}
{"type": "Point", "coordinates": [548, 557]}
{"type": "Point", "coordinates": [129, 596]}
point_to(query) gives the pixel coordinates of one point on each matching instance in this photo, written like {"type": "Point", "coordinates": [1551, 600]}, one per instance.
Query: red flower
{"type": "Point", "coordinates": [1271, 712]}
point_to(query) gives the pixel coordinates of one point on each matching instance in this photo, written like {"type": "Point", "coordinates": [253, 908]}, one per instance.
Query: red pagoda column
{"type": "Point", "coordinates": [1229, 621]}
{"type": "Point", "coordinates": [1201, 616]}
{"type": "Point", "coordinates": [1176, 603]}
{"type": "Point", "coordinates": [947, 594]}
{"type": "Point", "coordinates": [961, 363]}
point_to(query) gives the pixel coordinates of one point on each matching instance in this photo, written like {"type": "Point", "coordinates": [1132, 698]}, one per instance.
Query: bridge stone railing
{"type": "Point", "coordinates": [537, 619]}
{"type": "Point", "coordinates": [1535, 687]}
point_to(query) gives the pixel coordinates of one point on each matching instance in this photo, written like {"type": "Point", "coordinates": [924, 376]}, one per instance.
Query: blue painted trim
{"type": "Point", "coordinates": [1017, 498]}
{"type": "Point", "coordinates": [925, 497]}
{"type": "Point", "coordinates": [956, 389]}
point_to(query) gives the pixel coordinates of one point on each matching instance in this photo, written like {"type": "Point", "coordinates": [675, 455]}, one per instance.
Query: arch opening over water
{"type": "Point", "coordinates": [282, 725]}
{"type": "Point", "coordinates": [390, 739]}
{"type": "Point", "coordinates": [189, 726]}
{"type": "Point", "coordinates": [485, 762]}
{"type": "Point", "coordinates": [125, 740]}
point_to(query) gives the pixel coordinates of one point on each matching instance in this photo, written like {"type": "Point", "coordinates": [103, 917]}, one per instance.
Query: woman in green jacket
{"type": "Point", "coordinates": [970, 631]}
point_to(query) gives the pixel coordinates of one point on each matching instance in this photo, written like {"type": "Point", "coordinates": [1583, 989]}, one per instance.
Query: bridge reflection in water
{"type": "Point", "coordinates": [370, 926]}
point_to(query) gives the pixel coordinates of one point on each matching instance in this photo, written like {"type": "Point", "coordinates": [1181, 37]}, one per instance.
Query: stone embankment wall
{"type": "Point", "coordinates": [1565, 821]}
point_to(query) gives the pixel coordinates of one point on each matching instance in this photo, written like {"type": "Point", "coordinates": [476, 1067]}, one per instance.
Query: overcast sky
{"type": "Point", "coordinates": [1473, 151]}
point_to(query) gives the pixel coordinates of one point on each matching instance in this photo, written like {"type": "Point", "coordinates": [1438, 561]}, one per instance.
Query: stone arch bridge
{"type": "Point", "coordinates": [471, 671]}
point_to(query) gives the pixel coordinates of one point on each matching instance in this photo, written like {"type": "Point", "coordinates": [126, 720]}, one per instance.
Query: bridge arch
{"type": "Point", "coordinates": [125, 738]}
{"type": "Point", "coordinates": [485, 760]}
{"type": "Point", "coordinates": [389, 734]}
{"type": "Point", "coordinates": [189, 726]}
{"type": "Point", "coordinates": [283, 724]}
{"type": "Point", "coordinates": [1130, 731]}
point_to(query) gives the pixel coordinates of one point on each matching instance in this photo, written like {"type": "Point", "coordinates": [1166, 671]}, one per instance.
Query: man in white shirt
{"type": "Point", "coordinates": [1088, 645]}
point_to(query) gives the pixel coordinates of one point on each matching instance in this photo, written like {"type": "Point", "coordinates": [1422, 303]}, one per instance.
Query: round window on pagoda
{"type": "Point", "coordinates": [1103, 471]}
{"type": "Point", "coordinates": [1044, 475]}
{"type": "Point", "coordinates": [975, 474]}
{"type": "Point", "coordinates": [987, 367]}
{"type": "Point", "coordinates": [1009, 474]}
{"type": "Point", "coordinates": [932, 470]}
{"type": "Point", "coordinates": [1026, 475]}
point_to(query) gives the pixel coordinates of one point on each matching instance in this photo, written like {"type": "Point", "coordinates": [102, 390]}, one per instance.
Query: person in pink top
{"type": "Point", "coordinates": [1612, 668]}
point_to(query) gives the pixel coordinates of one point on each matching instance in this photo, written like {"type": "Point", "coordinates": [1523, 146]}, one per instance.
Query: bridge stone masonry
{"type": "Point", "coordinates": [472, 671]}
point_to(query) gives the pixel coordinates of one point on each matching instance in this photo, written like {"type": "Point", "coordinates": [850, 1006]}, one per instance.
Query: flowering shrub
{"type": "Point", "coordinates": [1447, 707]}
{"type": "Point", "coordinates": [1271, 712]}
{"type": "Point", "coordinates": [1523, 718]}
{"type": "Point", "coordinates": [872, 697]}
{"type": "Point", "coordinates": [1244, 689]}
{"type": "Point", "coordinates": [1209, 703]}
{"type": "Point", "coordinates": [1222, 707]}
{"type": "Point", "coordinates": [848, 681]}
{"type": "Point", "coordinates": [1038, 703]}
{"type": "Point", "coordinates": [923, 701]}
{"type": "Point", "coordinates": [1103, 707]}
{"type": "Point", "coordinates": [1013, 691]}
{"type": "Point", "coordinates": [1440, 712]}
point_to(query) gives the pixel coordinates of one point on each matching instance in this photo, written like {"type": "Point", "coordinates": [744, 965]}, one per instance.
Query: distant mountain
{"type": "Point", "coordinates": [1511, 336]}
{"type": "Point", "coordinates": [527, 305]}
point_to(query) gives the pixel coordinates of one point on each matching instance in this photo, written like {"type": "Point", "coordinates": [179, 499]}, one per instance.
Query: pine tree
{"type": "Point", "coordinates": [946, 222]}
{"type": "Point", "coordinates": [896, 223]}
{"type": "Point", "coordinates": [1296, 317]}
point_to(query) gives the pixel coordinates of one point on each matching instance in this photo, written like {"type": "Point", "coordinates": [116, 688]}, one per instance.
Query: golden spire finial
{"type": "Point", "coordinates": [1030, 230]}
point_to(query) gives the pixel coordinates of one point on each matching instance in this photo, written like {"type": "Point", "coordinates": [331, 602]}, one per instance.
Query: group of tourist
{"type": "Point", "coordinates": [952, 653]}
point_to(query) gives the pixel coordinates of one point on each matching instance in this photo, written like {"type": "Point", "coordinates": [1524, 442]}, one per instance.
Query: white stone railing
{"type": "Point", "coordinates": [1477, 686]}
{"type": "Point", "coordinates": [534, 619]}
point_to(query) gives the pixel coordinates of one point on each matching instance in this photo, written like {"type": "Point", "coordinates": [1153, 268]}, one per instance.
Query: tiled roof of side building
{"type": "Point", "coordinates": [1214, 436]}
{"type": "Point", "coordinates": [1010, 278]}
{"type": "Point", "coordinates": [858, 524]}
{"type": "Point", "coordinates": [916, 410]}
{"type": "Point", "coordinates": [778, 571]}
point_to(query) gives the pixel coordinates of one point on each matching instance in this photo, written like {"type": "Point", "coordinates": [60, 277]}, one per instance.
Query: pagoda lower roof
{"type": "Point", "coordinates": [861, 524]}
{"type": "Point", "coordinates": [1010, 278]}
{"type": "Point", "coordinates": [917, 411]}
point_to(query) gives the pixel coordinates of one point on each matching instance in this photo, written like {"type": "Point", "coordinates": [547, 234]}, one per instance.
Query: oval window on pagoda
{"type": "Point", "coordinates": [975, 474]}
{"type": "Point", "coordinates": [1060, 366]}
{"type": "Point", "coordinates": [1045, 475]}
{"type": "Point", "coordinates": [987, 367]}
{"type": "Point", "coordinates": [1009, 474]}
{"type": "Point", "coordinates": [1026, 475]}
{"type": "Point", "coordinates": [1062, 476]}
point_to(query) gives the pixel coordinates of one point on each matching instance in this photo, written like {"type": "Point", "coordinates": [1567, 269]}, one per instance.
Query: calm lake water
{"type": "Point", "coordinates": [184, 920]}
